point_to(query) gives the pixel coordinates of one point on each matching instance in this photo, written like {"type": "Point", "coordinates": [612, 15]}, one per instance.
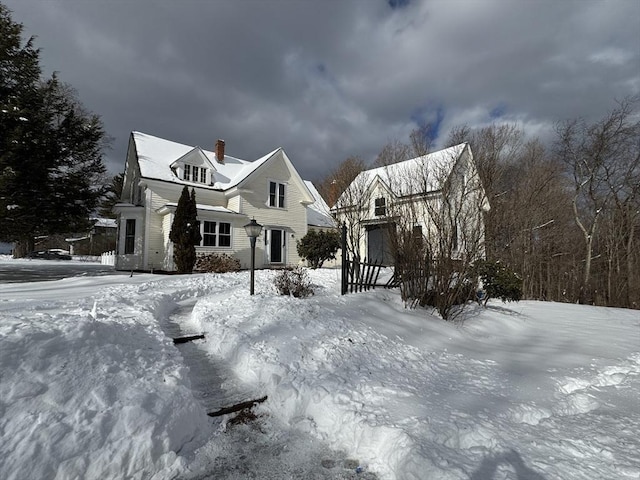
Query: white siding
{"type": "Point", "coordinates": [155, 241]}
{"type": "Point", "coordinates": [167, 246]}
{"type": "Point", "coordinates": [250, 202]}
{"type": "Point", "coordinates": [131, 261]}
{"type": "Point", "coordinates": [159, 248]}
{"type": "Point", "coordinates": [235, 203]}
{"type": "Point", "coordinates": [464, 175]}
{"type": "Point", "coordinates": [292, 218]}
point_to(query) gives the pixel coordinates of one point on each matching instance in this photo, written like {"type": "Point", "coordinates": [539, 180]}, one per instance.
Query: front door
{"type": "Point", "coordinates": [275, 245]}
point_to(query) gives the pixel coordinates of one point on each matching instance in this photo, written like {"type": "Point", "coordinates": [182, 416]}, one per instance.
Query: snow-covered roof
{"type": "Point", "coordinates": [318, 213]}
{"type": "Point", "coordinates": [156, 155]}
{"type": "Point", "coordinates": [201, 206]}
{"type": "Point", "coordinates": [76, 239]}
{"type": "Point", "coordinates": [414, 176]}
{"type": "Point", "coordinates": [105, 222]}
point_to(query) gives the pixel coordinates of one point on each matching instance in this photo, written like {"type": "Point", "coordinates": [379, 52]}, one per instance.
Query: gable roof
{"type": "Point", "coordinates": [318, 213]}
{"type": "Point", "coordinates": [156, 156]}
{"type": "Point", "coordinates": [414, 176]}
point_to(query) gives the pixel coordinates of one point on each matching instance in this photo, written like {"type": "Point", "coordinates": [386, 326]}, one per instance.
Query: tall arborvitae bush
{"type": "Point", "coordinates": [185, 232]}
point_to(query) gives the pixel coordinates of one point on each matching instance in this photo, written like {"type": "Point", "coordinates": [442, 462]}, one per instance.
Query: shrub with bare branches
{"type": "Point", "coordinates": [217, 263]}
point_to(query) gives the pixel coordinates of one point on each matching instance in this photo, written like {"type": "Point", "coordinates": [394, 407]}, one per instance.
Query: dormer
{"type": "Point", "coordinates": [194, 167]}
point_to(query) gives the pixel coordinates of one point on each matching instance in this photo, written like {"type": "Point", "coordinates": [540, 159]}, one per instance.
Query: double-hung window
{"type": "Point", "coordinates": [130, 236]}
{"type": "Point", "coordinates": [380, 207]}
{"type": "Point", "coordinates": [216, 234]}
{"type": "Point", "coordinates": [209, 234]}
{"type": "Point", "coordinates": [187, 172]}
{"type": "Point", "coordinates": [276, 194]}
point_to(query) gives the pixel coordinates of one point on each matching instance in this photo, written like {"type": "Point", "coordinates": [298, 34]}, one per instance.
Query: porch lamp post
{"type": "Point", "coordinates": [253, 230]}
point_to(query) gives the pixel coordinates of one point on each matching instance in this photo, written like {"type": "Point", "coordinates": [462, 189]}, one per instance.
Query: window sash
{"type": "Point", "coordinates": [277, 194]}
{"type": "Point", "coordinates": [130, 236]}
{"type": "Point", "coordinates": [272, 194]}
{"type": "Point", "coordinates": [193, 173]}
{"type": "Point", "coordinates": [224, 234]}
{"type": "Point", "coordinates": [209, 234]}
{"type": "Point", "coordinates": [380, 206]}
{"type": "Point", "coordinates": [216, 234]}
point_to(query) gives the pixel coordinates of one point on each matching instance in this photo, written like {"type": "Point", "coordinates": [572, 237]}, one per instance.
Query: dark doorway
{"type": "Point", "coordinates": [276, 246]}
{"type": "Point", "coordinates": [379, 243]}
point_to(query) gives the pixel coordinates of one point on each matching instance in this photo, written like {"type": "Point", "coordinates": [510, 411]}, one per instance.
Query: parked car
{"type": "Point", "coordinates": [49, 255]}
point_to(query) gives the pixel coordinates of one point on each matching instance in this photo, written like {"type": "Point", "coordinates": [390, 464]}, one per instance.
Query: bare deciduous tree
{"type": "Point", "coordinates": [533, 234]}
{"type": "Point", "coordinates": [393, 152]}
{"type": "Point", "coordinates": [351, 208]}
{"type": "Point", "coordinates": [438, 225]}
{"type": "Point", "coordinates": [595, 154]}
{"type": "Point", "coordinates": [337, 181]}
{"type": "Point", "coordinates": [421, 140]}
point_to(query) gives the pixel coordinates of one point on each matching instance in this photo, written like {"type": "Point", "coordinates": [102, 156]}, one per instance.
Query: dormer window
{"type": "Point", "coordinates": [193, 173]}
{"type": "Point", "coordinates": [380, 207]}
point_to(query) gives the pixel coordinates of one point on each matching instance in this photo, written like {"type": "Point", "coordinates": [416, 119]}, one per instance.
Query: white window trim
{"type": "Point", "coordinates": [286, 194]}
{"type": "Point", "coordinates": [195, 173]}
{"type": "Point", "coordinates": [129, 236]}
{"type": "Point", "coordinates": [284, 246]}
{"type": "Point", "coordinates": [383, 207]}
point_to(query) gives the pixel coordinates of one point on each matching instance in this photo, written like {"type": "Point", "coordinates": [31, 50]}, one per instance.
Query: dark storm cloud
{"type": "Point", "coordinates": [330, 79]}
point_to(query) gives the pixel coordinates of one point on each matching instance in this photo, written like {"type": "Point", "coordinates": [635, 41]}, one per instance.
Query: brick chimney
{"type": "Point", "coordinates": [220, 151]}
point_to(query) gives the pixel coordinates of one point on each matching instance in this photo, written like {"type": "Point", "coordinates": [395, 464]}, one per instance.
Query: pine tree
{"type": "Point", "coordinates": [185, 232]}
{"type": "Point", "coordinates": [111, 196]}
{"type": "Point", "coordinates": [51, 168]}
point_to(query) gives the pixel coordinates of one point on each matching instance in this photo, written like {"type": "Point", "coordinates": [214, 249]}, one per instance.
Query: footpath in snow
{"type": "Point", "coordinates": [245, 445]}
{"type": "Point", "coordinates": [92, 387]}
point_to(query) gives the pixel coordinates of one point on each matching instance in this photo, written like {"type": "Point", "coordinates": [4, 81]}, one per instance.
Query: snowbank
{"type": "Point", "coordinates": [92, 388]}
{"type": "Point", "coordinates": [526, 389]}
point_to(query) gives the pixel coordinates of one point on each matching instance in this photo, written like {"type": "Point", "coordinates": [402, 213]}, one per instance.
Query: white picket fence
{"type": "Point", "coordinates": [108, 258]}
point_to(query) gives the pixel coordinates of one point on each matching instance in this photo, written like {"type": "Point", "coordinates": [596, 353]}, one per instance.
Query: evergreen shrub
{"type": "Point", "coordinates": [318, 246]}
{"type": "Point", "coordinates": [185, 232]}
{"type": "Point", "coordinates": [499, 282]}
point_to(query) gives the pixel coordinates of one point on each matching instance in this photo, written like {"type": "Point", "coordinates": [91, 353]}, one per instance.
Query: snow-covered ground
{"type": "Point", "coordinates": [92, 387]}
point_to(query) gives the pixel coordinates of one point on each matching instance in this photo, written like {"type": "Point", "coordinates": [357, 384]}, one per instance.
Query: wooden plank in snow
{"type": "Point", "coordinates": [188, 338]}
{"type": "Point", "coordinates": [237, 407]}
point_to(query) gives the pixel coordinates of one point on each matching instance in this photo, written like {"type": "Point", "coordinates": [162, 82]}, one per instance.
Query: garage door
{"type": "Point", "coordinates": [378, 244]}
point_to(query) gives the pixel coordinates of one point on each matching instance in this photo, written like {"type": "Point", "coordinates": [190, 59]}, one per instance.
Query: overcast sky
{"type": "Point", "coordinates": [327, 79]}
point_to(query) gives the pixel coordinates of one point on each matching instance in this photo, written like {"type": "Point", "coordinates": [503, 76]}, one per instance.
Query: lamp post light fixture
{"type": "Point", "coordinates": [253, 230]}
